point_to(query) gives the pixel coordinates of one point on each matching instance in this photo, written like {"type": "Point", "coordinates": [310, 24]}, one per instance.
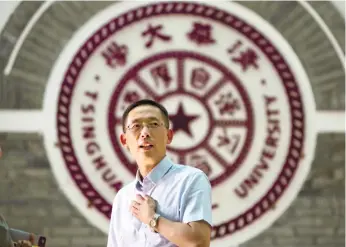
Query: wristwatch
{"type": "Point", "coordinates": [153, 222]}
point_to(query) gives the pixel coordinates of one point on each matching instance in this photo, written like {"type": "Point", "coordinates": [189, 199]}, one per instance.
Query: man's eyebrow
{"type": "Point", "coordinates": [153, 118]}
{"type": "Point", "coordinates": [141, 119]}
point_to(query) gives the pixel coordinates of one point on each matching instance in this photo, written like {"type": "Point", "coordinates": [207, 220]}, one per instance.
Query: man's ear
{"type": "Point", "coordinates": [123, 140]}
{"type": "Point", "coordinates": [169, 136]}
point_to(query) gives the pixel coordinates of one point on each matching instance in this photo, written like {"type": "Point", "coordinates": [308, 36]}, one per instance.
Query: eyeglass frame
{"type": "Point", "coordinates": [145, 123]}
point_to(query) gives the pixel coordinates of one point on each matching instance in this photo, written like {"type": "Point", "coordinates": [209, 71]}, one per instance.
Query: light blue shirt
{"type": "Point", "coordinates": [183, 194]}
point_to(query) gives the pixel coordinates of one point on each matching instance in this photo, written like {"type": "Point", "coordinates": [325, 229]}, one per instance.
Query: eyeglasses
{"type": "Point", "coordinates": [137, 127]}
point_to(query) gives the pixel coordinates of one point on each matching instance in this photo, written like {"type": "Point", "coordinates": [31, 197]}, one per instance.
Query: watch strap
{"type": "Point", "coordinates": [155, 218]}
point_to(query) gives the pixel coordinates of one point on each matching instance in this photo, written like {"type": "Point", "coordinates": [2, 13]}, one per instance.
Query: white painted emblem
{"type": "Point", "coordinates": [239, 100]}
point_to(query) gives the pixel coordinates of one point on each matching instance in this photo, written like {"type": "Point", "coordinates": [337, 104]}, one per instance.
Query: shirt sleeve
{"type": "Point", "coordinates": [5, 238]}
{"type": "Point", "coordinates": [112, 238]}
{"type": "Point", "coordinates": [196, 200]}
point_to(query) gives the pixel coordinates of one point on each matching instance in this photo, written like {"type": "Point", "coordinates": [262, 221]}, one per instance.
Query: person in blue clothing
{"type": "Point", "coordinates": [167, 204]}
{"type": "Point", "coordinates": [5, 236]}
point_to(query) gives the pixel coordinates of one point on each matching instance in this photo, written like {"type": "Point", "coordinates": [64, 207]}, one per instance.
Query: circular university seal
{"type": "Point", "coordinates": [239, 101]}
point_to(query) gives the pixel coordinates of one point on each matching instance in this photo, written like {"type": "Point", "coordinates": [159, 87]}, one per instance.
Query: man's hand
{"type": "Point", "coordinates": [23, 243]}
{"type": "Point", "coordinates": [143, 208]}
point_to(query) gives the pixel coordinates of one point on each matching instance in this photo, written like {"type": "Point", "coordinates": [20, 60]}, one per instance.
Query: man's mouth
{"type": "Point", "coordinates": [146, 146]}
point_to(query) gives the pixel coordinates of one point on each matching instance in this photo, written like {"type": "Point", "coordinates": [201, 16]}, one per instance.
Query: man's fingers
{"type": "Point", "coordinates": [139, 197]}
{"type": "Point", "coordinates": [135, 204]}
{"type": "Point", "coordinates": [32, 238]}
{"type": "Point", "coordinates": [134, 211]}
{"type": "Point", "coordinates": [18, 244]}
{"type": "Point", "coordinates": [23, 243]}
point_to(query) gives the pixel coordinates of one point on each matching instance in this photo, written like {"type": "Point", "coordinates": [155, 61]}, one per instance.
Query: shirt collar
{"type": "Point", "coordinates": [157, 172]}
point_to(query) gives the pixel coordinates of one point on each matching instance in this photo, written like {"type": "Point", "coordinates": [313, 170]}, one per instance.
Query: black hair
{"type": "Point", "coordinates": [145, 102]}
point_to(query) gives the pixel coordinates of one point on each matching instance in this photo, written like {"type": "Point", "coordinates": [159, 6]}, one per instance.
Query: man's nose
{"type": "Point", "coordinates": [145, 132]}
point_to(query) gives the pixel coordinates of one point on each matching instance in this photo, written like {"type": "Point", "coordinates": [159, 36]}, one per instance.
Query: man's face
{"type": "Point", "coordinates": [145, 135]}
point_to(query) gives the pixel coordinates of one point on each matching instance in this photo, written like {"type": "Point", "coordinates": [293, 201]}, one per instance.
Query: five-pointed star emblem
{"type": "Point", "coordinates": [181, 121]}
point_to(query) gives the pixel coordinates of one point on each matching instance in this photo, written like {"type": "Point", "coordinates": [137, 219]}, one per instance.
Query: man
{"type": "Point", "coordinates": [167, 204]}
{"type": "Point", "coordinates": [5, 236]}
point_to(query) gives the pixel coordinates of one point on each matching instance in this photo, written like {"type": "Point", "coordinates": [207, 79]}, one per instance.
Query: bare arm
{"type": "Point", "coordinates": [193, 234]}
{"type": "Point", "coordinates": [195, 229]}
